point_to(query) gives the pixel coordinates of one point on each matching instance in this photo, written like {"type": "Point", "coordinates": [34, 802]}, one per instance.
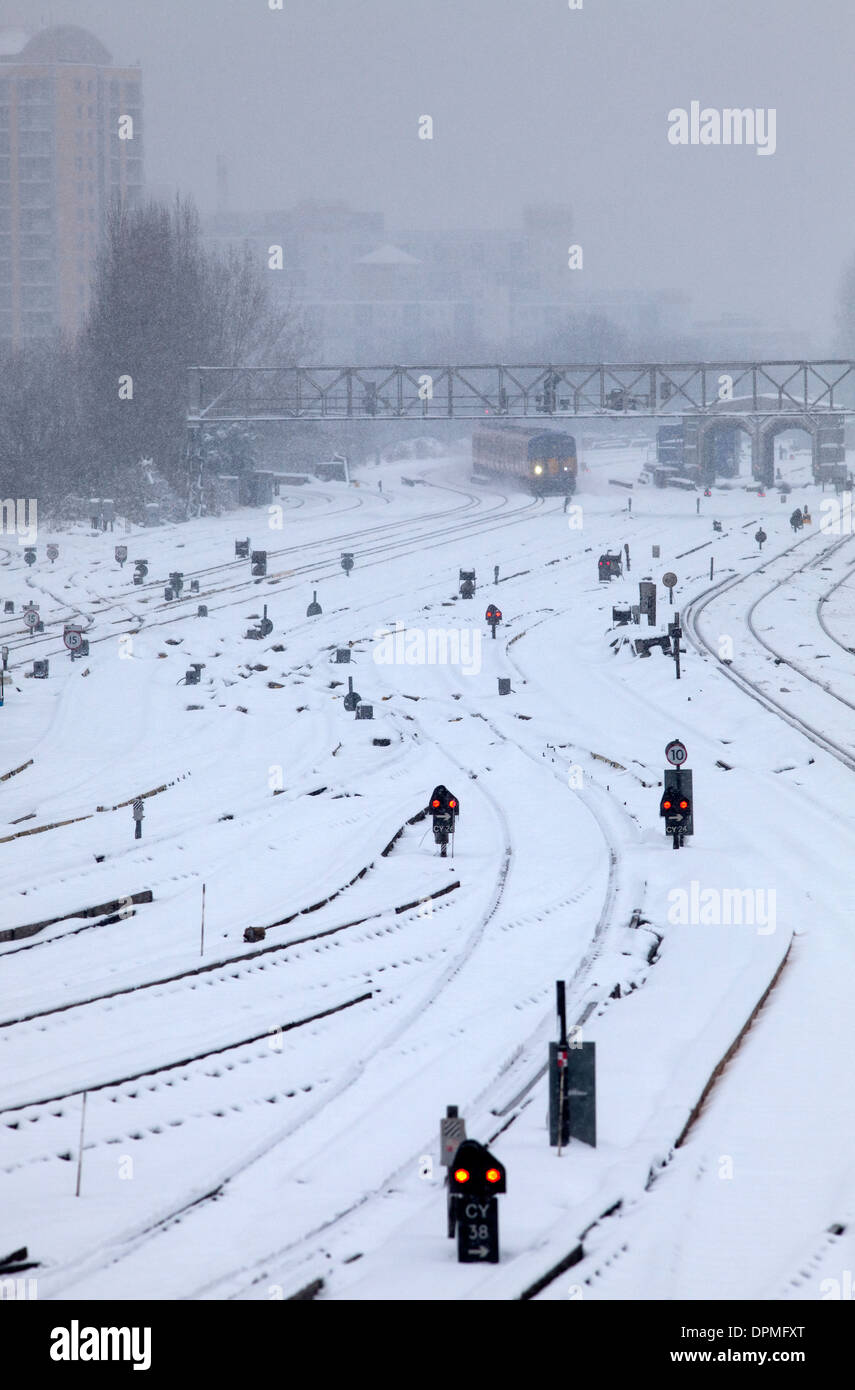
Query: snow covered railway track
{"type": "Point", "coordinates": [329, 567]}
{"type": "Point", "coordinates": [124, 1245]}
{"type": "Point", "coordinates": [243, 961]}
{"type": "Point", "coordinates": [823, 1256]}
{"type": "Point", "coordinates": [179, 610]}
{"type": "Point", "coordinates": [113, 911]}
{"type": "Point", "coordinates": [161, 1100]}
{"type": "Point", "coordinates": [691, 617]}
{"type": "Point", "coordinates": [820, 616]}
{"type": "Point", "coordinates": [69, 609]}
{"type": "Point", "coordinates": [781, 657]}
{"type": "Point", "coordinates": [520, 1073]}
{"type": "Point", "coordinates": [75, 820]}
{"type": "Point", "coordinates": [154, 1072]}
{"type": "Point", "coordinates": [302, 1247]}
{"type": "Point", "coordinates": [619, 909]}
{"type": "Point", "coordinates": [600, 1258]}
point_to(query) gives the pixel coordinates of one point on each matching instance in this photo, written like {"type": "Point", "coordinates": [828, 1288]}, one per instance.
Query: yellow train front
{"type": "Point", "coordinates": [541, 461]}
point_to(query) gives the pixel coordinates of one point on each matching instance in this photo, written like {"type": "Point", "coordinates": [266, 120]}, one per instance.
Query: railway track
{"type": "Point", "coordinates": [11, 627]}
{"type": "Point", "coordinates": [122, 1246]}
{"type": "Point", "coordinates": [492, 1102]}
{"type": "Point", "coordinates": [604, 1258]}
{"type": "Point", "coordinates": [327, 568]}
{"type": "Point", "coordinates": [691, 617]}
{"type": "Point", "coordinates": [126, 1244]}
{"type": "Point", "coordinates": [242, 959]}
{"type": "Point", "coordinates": [472, 941]}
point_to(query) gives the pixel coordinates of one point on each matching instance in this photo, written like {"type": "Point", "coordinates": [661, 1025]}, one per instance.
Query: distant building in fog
{"type": "Point", "coordinates": [746, 338]}
{"type": "Point", "coordinates": [61, 164]}
{"type": "Point", "coordinates": [370, 295]}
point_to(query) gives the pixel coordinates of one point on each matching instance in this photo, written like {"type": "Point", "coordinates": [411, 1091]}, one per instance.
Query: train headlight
{"type": "Point", "coordinates": [538, 468]}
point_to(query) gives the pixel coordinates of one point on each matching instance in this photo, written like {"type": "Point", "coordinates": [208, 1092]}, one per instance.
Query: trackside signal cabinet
{"type": "Point", "coordinates": [677, 803]}
{"type": "Point", "coordinates": [475, 1179]}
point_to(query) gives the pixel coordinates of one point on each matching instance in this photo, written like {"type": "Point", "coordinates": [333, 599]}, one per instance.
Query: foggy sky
{"type": "Point", "coordinates": [531, 103]}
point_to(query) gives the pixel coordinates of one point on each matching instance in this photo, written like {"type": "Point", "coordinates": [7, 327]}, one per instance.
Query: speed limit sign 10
{"type": "Point", "coordinates": [676, 753]}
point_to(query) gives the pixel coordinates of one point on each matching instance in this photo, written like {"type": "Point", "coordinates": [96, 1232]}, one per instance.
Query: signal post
{"type": "Point", "coordinates": [444, 809]}
{"type": "Point", "coordinates": [677, 802]}
{"type": "Point", "coordinates": [475, 1179]}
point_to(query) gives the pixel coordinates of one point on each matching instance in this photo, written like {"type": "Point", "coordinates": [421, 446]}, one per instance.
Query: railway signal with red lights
{"type": "Point", "coordinates": [475, 1171]}
{"type": "Point", "coordinates": [444, 808]}
{"type": "Point", "coordinates": [493, 617]}
{"type": "Point", "coordinates": [675, 805]}
{"type": "Point", "coordinates": [475, 1179]}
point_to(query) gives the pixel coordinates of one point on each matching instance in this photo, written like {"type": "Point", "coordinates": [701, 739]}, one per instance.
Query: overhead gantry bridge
{"type": "Point", "coordinates": [449, 392]}
{"type": "Point", "coordinates": [761, 398]}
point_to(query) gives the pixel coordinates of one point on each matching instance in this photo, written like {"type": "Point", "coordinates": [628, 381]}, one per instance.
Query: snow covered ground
{"type": "Point", "coordinates": [260, 1115]}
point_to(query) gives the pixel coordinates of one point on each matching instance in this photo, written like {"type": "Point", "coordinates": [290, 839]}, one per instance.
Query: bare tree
{"type": "Point", "coordinates": [247, 326]}
{"type": "Point", "coordinates": [161, 304]}
{"type": "Point", "coordinates": [41, 424]}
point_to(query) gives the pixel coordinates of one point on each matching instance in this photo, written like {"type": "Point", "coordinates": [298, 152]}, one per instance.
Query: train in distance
{"type": "Point", "coordinates": [538, 460]}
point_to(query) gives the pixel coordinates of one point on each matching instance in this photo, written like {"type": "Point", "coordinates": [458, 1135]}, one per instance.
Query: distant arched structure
{"type": "Point", "coordinates": [824, 426]}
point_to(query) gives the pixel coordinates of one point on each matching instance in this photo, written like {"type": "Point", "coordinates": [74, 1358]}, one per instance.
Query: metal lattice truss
{"type": "Point", "coordinates": [443, 392]}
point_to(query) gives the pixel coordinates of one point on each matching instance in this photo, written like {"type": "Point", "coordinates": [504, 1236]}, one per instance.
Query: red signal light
{"type": "Point", "coordinates": [435, 802]}
{"type": "Point", "coordinates": [492, 1175]}
{"type": "Point", "coordinates": [666, 805]}
{"type": "Point", "coordinates": [461, 1175]}
{"type": "Point", "coordinates": [498, 612]}
{"type": "Point", "coordinates": [684, 805]}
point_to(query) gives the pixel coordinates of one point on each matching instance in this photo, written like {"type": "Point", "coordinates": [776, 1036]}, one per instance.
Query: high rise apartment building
{"type": "Point", "coordinates": [64, 110]}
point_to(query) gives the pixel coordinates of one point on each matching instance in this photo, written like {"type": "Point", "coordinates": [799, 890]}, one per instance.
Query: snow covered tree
{"type": "Point", "coordinates": [161, 304]}
{"type": "Point", "coordinates": [43, 453]}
